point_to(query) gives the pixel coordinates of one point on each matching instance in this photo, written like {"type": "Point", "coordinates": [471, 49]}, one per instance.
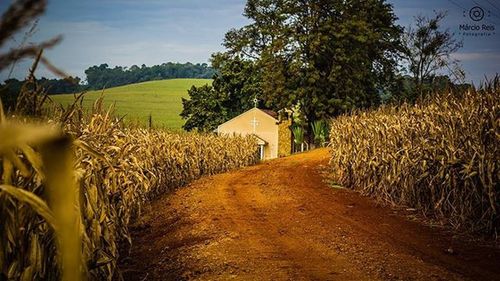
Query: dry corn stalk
{"type": "Point", "coordinates": [441, 156]}
{"type": "Point", "coordinates": [117, 169]}
{"type": "Point", "coordinates": [24, 204]}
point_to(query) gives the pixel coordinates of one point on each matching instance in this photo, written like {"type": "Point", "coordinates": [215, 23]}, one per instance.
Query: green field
{"type": "Point", "coordinates": [161, 99]}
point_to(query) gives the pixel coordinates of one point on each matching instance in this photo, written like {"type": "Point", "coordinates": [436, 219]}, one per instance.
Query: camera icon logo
{"type": "Point", "coordinates": [476, 13]}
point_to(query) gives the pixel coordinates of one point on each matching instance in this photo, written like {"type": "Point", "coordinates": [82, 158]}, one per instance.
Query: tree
{"type": "Point", "coordinates": [102, 76]}
{"type": "Point", "coordinates": [330, 56]}
{"type": "Point", "coordinates": [9, 92]}
{"type": "Point", "coordinates": [204, 110]}
{"type": "Point", "coordinates": [428, 49]}
{"type": "Point", "coordinates": [235, 85]}
{"type": "Point", "coordinates": [238, 79]}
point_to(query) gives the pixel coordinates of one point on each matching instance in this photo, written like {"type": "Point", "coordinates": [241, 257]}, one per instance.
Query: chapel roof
{"type": "Point", "coordinates": [270, 113]}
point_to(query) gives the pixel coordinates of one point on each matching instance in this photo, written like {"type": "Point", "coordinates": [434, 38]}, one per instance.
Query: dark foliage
{"type": "Point", "coordinates": [329, 56]}
{"type": "Point", "coordinates": [102, 76]}
{"type": "Point", "coordinates": [236, 83]}
{"type": "Point", "coordinates": [404, 89]}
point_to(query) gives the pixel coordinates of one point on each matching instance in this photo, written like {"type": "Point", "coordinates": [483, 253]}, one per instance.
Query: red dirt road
{"type": "Point", "coordinates": [281, 221]}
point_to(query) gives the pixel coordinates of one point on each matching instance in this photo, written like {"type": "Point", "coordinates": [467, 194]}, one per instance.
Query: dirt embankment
{"type": "Point", "coordinates": [281, 221]}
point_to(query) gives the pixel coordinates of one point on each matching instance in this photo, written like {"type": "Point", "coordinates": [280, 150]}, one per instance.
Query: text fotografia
{"type": "Point", "coordinates": [479, 24]}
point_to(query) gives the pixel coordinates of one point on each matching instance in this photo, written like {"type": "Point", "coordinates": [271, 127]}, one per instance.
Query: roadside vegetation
{"type": "Point", "coordinates": [72, 179]}
{"type": "Point", "coordinates": [106, 172]}
{"type": "Point", "coordinates": [440, 156]}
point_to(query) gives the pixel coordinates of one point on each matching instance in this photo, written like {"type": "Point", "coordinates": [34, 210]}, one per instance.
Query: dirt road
{"type": "Point", "coordinates": [280, 220]}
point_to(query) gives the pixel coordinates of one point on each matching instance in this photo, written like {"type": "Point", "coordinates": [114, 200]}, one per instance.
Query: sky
{"type": "Point", "coordinates": [128, 32]}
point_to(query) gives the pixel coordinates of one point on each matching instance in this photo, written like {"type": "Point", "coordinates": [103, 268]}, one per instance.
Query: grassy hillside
{"type": "Point", "coordinates": [160, 98]}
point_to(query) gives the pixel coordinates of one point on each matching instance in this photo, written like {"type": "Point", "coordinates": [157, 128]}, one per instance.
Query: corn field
{"type": "Point", "coordinates": [71, 183]}
{"type": "Point", "coordinates": [440, 156]}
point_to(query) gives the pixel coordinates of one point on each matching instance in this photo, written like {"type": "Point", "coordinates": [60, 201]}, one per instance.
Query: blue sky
{"type": "Point", "coordinates": [127, 32]}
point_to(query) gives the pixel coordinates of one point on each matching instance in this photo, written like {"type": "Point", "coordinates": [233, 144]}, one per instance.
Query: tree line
{"type": "Point", "coordinates": [103, 76]}
{"type": "Point", "coordinates": [323, 58]}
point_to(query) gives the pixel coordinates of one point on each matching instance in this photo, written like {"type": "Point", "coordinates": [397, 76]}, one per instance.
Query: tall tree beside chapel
{"type": "Point", "coordinates": [331, 56]}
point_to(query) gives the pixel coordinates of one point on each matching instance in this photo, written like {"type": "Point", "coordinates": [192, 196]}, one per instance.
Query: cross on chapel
{"type": "Point", "coordinates": [254, 123]}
